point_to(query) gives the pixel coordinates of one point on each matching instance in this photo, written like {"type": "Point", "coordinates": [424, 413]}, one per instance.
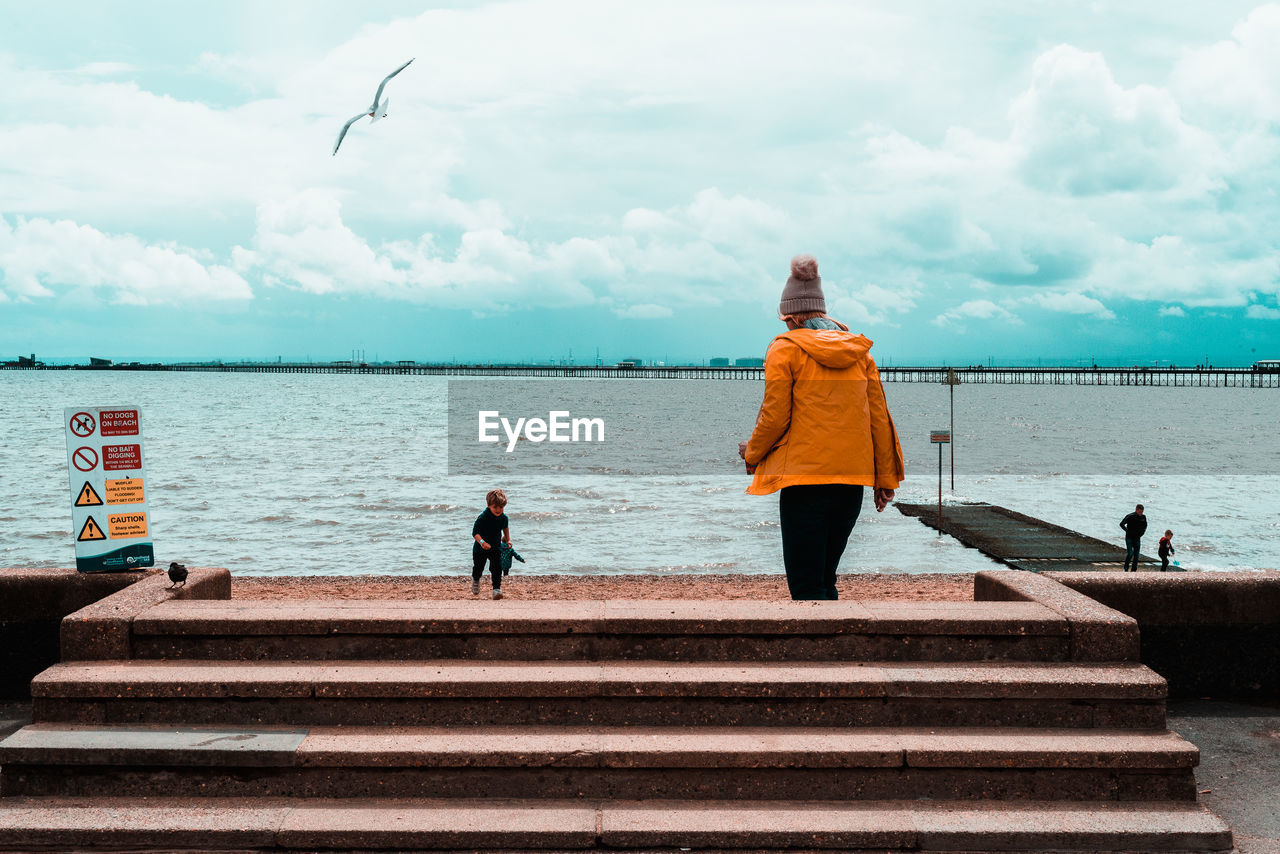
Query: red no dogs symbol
{"type": "Point", "coordinates": [82, 424]}
{"type": "Point", "coordinates": [85, 459]}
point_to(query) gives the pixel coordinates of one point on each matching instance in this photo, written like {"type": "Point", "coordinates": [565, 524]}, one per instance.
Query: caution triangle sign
{"type": "Point", "coordinates": [88, 496]}
{"type": "Point", "coordinates": [90, 531]}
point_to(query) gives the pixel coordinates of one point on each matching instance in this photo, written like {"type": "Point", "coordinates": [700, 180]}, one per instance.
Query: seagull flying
{"type": "Point", "coordinates": [376, 111]}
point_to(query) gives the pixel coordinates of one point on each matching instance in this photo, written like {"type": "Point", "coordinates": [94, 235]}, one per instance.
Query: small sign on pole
{"type": "Point", "coordinates": [108, 489]}
{"type": "Point", "coordinates": [940, 438]}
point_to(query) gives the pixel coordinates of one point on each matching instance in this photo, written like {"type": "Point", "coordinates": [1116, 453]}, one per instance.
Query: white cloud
{"type": "Point", "coordinates": [1083, 133]}
{"type": "Point", "coordinates": [1171, 268]}
{"type": "Point", "coordinates": [303, 243]}
{"type": "Point", "coordinates": [1262, 312]}
{"type": "Point", "coordinates": [735, 220]}
{"type": "Point", "coordinates": [645, 220]}
{"type": "Point", "coordinates": [105, 69]}
{"type": "Point", "coordinates": [1172, 311]}
{"type": "Point", "coordinates": [1073, 303]}
{"type": "Point", "coordinates": [1236, 79]}
{"type": "Point", "coordinates": [976, 309]}
{"type": "Point", "coordinates": [40, 257]}
{"type": "Point", "coordinates": [644, 311]}
{"type": "Point", "coordinates": [870, 305]}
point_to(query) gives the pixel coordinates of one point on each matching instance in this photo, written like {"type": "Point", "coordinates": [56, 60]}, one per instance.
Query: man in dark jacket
{"type": "Point", "coordinates": [1134, 526]}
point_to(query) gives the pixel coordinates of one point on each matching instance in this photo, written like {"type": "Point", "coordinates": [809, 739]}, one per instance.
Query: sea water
{"type": "Point", "coordinates": [276, 474]}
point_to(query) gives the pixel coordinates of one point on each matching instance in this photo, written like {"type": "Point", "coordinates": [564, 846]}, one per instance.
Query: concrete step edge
{"type": "Point", "coordinates": [620, 617]}
{"type": "Point", "coordinates": [926, 679]}
{"type": "Point", "coordinates": [212, 823]}
{"type": "Point", "coordinates": [597, 747]}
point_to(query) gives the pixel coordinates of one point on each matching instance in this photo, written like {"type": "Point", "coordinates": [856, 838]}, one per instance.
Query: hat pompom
{"type": "Point", "coordinates": [804, 267]}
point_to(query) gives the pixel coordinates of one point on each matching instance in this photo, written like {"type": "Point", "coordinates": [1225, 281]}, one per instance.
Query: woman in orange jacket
{"type": "Point", "coordinates": [823, 434]}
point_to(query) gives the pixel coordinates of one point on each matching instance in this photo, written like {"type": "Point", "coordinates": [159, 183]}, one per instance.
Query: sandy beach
{"type": "Point", "coordinates": [930, 587]}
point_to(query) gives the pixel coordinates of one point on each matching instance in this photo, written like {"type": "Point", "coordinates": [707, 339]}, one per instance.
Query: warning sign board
{"type": "Point", "coordinates": [108, 473]}
{"type": "Point", "coordinates": [123, 526]}
{"type": "Point", "coordinates": [88, 496]}
{"type": "Point", "coordinates": [90, 531]}
{"type": "Point", "coordinates": [125, 491]}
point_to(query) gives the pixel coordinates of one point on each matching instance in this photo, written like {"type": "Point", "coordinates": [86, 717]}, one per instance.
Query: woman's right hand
{"type": "Point", "coordinates": [883, 497]}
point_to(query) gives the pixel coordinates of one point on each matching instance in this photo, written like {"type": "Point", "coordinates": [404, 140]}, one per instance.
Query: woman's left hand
{"type": "Point", "coordinates": [742, 450]}
{"type": "Point", "coordinates": [883, 497]}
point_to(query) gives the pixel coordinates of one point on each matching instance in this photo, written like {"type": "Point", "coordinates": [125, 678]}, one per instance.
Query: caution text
{"type": "Point", "coordinates": [126, 525]}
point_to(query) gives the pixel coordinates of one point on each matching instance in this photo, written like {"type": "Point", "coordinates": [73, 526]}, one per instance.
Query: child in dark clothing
{"type": "Point", "coordinates": [1166, 549]}
{"type": "Point", "coordinates": [489, 532]}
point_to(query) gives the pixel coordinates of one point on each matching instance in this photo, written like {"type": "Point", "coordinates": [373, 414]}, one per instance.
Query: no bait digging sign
{"type": "Point", "coordinates": [108, 492]}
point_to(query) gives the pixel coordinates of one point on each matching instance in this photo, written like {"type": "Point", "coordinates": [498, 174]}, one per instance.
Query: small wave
{"type": "Point", "coordinates": [49, 535]}
{"type": "Point", "coordinates": [581, 492]}
{"type": "Point", "coordinates": [537, 515]}
{"type": "Point", "coordinates": [326, 522]}
{"type": "Point", "coordinates": [274, 519]}
{"type": "Point", "coordinates": [686, 567]}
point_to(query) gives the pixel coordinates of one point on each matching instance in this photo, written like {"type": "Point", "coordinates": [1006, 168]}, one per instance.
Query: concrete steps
{"type": "Point", "coordinates": [602, 631]}
{"type": "Point", "coordinates": [462, 693]}
{"type": "Point", "coordinates": [637, 763]}
{"type": "Point", "coordinates": [1019, 723]}
{"type": "Point", "coordinates": [468, 824]}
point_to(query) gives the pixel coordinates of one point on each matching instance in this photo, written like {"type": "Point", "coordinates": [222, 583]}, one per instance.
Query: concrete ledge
{"type": "Point", "coordinates": [1098, 633]}
{"type": "Point", "coordinates": [1208, 633]}
{"type": "Point", "coordinates": [915, 825]}
{"type": "Point", "coordinates": [589, 617]}
{"type": "Point", "coordinates": [422, 824]}
{"type": "Point", "coordinates": [101, 631]}
{"type": "Point", "coordinates": [32, 603]}
{"type": "Point", "coordinates": [668, 748]}
{"type": "Point", "coordinates": [625, 680]}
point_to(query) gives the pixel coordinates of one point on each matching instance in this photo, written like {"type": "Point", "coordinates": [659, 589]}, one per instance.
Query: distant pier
{"type": "Point", "coordinates": [1251, 377]}
{"type": "Point", "coordinates": [1021, 541]}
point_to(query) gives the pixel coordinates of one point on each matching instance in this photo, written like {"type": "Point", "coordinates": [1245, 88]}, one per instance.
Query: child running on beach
{"type": "Point", "coordinates": [489, 532]}
{"type": "Point", "coordinates": [1166, 549]}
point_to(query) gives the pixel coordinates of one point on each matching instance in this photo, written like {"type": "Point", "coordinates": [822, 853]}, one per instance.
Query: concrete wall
{"type": "Point", "coordinates": [1211, 634]}
{"type": "Point", "coordinates": [32, 605]}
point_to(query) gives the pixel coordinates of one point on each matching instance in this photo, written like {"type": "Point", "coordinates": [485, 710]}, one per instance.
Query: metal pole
{"type": "Point", "coordinates": [952, 387]}
{"type": "Point", "coordinates": [939, 490]}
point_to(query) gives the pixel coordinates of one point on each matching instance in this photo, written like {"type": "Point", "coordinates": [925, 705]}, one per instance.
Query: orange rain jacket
{"type": "Point", "coordinates": [824, 418]}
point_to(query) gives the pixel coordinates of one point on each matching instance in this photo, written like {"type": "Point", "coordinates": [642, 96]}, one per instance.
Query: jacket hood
{"type": "Point", "coordinates": [831, 348]}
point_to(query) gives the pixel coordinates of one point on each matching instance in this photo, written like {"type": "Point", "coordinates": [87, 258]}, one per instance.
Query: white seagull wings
{"type": "Point", "coordinates": [373, 109]}
{"type": "Point", "coordinates": [342, 133]}
{"type": "Point", "coordinates": [377, 95]}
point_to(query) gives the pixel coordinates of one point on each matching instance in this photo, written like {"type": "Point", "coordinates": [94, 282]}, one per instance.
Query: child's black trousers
{"type": "Point", "coordinates": [492, 556]}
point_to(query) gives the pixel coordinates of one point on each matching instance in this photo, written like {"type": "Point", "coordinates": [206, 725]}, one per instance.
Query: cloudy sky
{"type": "Point", "coordinates": [1013, 180]}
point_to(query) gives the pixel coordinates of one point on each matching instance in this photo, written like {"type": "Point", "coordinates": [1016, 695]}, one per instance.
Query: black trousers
{"type": "Point", "coordinates": [816, 523]}
{"type": "Point", "coordinates": [1132, 551]}
{"type": "Point", "coordinates": [492, 556]}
